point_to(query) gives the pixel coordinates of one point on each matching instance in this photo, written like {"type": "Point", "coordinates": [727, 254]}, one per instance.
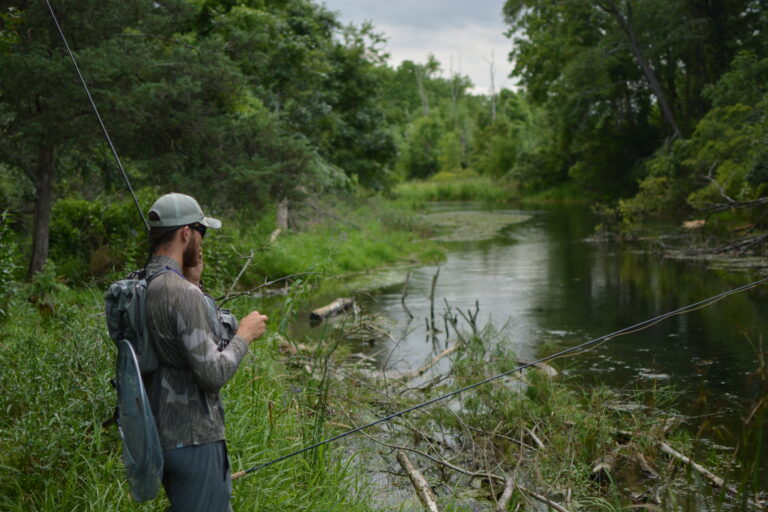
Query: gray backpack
{"type": "Point", "coordinates": [136, 363]}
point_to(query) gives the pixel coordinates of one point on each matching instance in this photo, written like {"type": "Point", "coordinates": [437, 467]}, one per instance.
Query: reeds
{"type": "Point", "coordinates": [456, 187]}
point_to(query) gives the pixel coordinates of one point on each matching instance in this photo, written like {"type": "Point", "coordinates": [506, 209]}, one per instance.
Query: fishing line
{"type": "Point", "coordinates": [575, 349]}
{"type": "Point", "coordinates": [98, 116]}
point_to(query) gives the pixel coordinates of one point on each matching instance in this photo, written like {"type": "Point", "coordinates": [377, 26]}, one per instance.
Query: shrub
{"type": "Point", "coordinates": [8, 266]}
{"type": "Point", "coordinates": [93, 238]}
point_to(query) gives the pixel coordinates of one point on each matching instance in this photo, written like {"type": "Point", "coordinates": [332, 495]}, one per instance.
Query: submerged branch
{"type": "Point", "coordinates": [713, 479]}
{"type": "Point", "coordinates": [423, 489]}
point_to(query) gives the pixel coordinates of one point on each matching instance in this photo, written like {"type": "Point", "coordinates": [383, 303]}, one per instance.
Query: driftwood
{"type": "Point", "coordinates": [474, 474]}
{"type": "Point", "coordinates": [334, 308]}
{"type": "Point", "coordinates": [423, 490]}
{"type": "Point", "coordinates": [714, 479]}
{"type": "Point", "coordinates": [603, 467]}
{"type": "Point", "coordinates": [509, 488]}
{"type": "Point", "coordinates": [422, 370]}
{"type": "Point", "coordinates": [647, 469]}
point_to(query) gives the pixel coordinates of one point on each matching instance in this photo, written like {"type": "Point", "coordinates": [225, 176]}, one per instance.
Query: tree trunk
{"type": "Point", "coordinates": [626, 25]}
{"type": "Point", "coordinates": [43, 202]}
{"type": "Point", "coordinates": [282, 214]}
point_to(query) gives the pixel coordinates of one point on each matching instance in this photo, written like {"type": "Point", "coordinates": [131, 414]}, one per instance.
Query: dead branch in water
{"type": "Point", "coordinates": [423, 489]}
{"type": "Point", "coordinates": [422, 370]}
{"type": "Point", "coordinates": [405, 294]}
{"type": "Point", "coordinates": [472, 474]}
{"type": "Point", "coordinates": [713, 479]}
{"type": "Point", "coordinates": [432, 301]}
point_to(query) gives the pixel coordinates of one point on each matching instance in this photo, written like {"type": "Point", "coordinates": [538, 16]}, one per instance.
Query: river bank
{"type": "Point", "coordinates": [57, 359]}
{"type": "Point", "coordinates": [296, 388]}
{"type": "Point", "coordinates": [551, 287]}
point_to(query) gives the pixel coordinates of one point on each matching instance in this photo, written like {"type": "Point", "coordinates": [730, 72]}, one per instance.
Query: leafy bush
{"type": "Point", "coordinates": [8, 267]}
{"type": "Point", "coordinates": [724, 155]}
{"type": "Point", "coordinates": [93, 238]}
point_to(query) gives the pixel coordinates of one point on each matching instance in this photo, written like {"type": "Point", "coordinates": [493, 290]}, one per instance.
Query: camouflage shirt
{"type": "Point", "coordinates": [184, 392]}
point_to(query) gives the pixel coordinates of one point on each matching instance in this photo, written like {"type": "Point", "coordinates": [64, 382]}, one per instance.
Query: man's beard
{"type": "Point", "coordinates": [191, 254]}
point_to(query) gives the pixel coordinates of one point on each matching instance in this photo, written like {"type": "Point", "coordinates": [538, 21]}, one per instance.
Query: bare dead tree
{"type": "Point", "coordinates": [492, 70]}
{"type": "Point", "coordinates": [422, 92]}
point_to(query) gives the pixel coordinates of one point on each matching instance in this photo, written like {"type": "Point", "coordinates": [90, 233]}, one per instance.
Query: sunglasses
{"type": "Point", "coordinates": [199, 228]}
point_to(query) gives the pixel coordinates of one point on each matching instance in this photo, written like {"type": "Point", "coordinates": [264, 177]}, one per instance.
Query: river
{"type": "Point", "coordinates": [548, 285]}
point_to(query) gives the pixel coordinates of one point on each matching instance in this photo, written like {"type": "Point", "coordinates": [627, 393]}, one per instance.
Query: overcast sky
{"type": "Point", "coordinates": [466, 31]}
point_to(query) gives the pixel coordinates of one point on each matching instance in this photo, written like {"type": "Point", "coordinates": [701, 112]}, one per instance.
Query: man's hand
{"type": "Point", "coordinates": [193, 274]}
{"type": "Point", "coordinates": [252, 326]}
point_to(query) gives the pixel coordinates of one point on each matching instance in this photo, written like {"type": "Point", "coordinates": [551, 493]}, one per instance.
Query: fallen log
{"type": "Point", "coordinates": [334, 308]}
{"type": "Point", "coordinates": [423, 489]}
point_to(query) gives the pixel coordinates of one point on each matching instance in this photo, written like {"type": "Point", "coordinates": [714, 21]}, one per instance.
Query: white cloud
{"type": "Point", "coordinates": [465, 32]}
{"type": "Point", "coordinates": [469, 50]}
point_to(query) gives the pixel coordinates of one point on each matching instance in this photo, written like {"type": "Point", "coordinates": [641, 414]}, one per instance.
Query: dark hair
{"type": "Point", "coordinates": [159, 236]}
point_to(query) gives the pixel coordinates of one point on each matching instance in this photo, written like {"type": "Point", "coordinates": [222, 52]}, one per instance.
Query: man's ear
{"type": "Point", "coordinates": [185, 234]}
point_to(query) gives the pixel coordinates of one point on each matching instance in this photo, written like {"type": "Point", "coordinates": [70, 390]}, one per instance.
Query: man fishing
{"type": "Point", "coordinates": [194, 362]}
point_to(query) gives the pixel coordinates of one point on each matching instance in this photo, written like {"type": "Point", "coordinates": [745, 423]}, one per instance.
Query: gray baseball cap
{"type": "Point", "coordinates": [175, 209]}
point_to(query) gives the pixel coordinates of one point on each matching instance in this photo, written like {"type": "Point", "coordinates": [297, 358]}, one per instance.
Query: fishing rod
{"type": "Point", "coordinates": [578, 348]}
{"type": "Point", "coordinates": [98, 116]}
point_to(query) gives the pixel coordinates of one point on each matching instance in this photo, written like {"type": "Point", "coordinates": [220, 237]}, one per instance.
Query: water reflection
{"type": "Point", "coordinates": [552, 288]}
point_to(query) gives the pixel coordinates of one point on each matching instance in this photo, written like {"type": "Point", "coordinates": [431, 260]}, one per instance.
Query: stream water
{"type": "Point", "coordinates": [542, 280]}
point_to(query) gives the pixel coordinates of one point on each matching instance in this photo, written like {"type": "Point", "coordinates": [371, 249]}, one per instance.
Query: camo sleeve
{"type": "Point", "coordinates": [211, 367]}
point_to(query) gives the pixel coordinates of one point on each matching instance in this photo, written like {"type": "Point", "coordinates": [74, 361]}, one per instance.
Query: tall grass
{"type": "Point", "coordinates": [57, 361]}
{"type": "Point", "coordinates": [54, 394]}
{"type": "Point", "coordinates": [464, 186]}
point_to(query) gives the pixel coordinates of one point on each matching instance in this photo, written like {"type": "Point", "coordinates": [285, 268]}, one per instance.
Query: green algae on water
{"type": "Point", "coordinates": [471, 226]}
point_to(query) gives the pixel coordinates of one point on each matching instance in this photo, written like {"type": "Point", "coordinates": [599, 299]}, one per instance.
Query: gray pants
{"type": "Point", "coordinates": [197, 478]}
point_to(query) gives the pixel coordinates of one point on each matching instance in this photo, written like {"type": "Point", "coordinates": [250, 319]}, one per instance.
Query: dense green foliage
{"type": "Point", "coordinates": [646, 95]}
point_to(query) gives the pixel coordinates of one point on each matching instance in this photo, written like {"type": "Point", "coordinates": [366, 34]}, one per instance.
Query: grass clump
{"type": "Point", "coordinates": [456, 186]}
